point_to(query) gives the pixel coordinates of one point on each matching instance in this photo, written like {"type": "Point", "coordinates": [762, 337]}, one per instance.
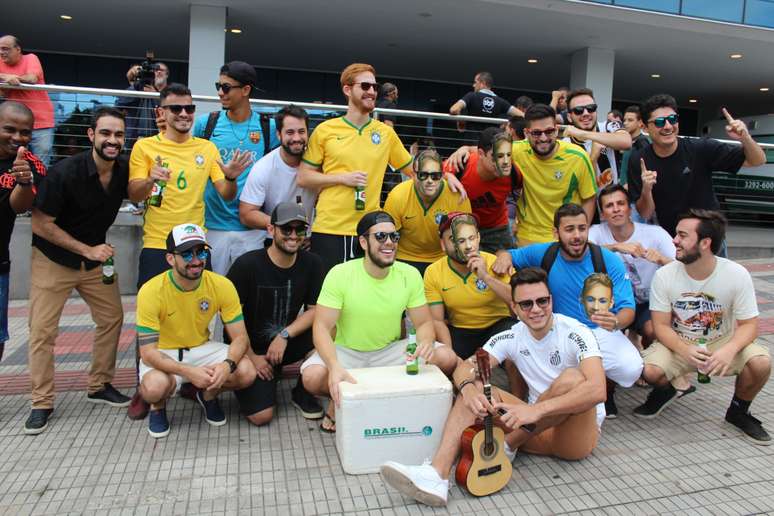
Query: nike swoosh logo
{"type": "Point", "coordinates": [446, 288]}
{"type": "Point", "coordinates": [171, 314]}
{"type": "Point", "coordinates": [411, 217]}
{"type": "Point", "coordinates": [340, 137]}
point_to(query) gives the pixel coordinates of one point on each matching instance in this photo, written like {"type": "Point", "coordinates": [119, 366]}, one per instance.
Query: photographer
{"type": "Point", "coordinates": [141, 112]}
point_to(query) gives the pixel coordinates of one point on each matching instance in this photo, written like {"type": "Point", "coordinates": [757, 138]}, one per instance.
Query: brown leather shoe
{"type": "Point", "coordinates": [138, 408]}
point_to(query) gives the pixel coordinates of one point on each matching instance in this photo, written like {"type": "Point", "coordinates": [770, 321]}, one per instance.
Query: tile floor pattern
{"type": "Point", "coordinates": [93, 460]}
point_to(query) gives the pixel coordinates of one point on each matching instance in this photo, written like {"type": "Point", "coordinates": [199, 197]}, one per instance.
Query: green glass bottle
{"type": "Point", "coordinates": [702, 377]}
{"type": "Point", "coordinates": [108, 271]}
{"type": "Point", "coordinates": [157, 193]}
{"type": "Point", "coordinates": [412, 365]}
{"type": "Point", "coordinates": [360, 198]}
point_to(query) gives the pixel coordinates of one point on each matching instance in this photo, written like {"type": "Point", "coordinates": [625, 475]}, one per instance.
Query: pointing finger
{"type": "Point", "coordinates": [728, 116]}
{"type": "Point", "coordinates": [642, 165]}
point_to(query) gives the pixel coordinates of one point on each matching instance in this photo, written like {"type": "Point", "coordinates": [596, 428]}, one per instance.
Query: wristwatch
{"type": "Point", "coordinates": [231, 365]}
{"type": "Point", "coordinates": [284, 334]}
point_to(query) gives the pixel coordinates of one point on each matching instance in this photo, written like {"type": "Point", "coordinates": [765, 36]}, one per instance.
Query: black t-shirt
{"type": "Point", "coordinates": [73, 195]}
{"type": "Point", "coordinates": [7, 215]}
{"type": "Point", "coordinates": [685, 178]}
{"type": "Point", "coordinates": [271, 297]}
{"type": "Point", "coordinates": [484, 103]}
{"type": "Point", "coordinates": [387, 104]}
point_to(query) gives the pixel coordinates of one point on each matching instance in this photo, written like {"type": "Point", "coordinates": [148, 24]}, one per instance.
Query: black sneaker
{"type": "Point", "coordinates": [611, 411]}
{"type": "Point", "coordinates": [751, 427]}
{"type": "Point", "coordinates": [308, 405]}
{"type": "Point", "coordinates": [110, 396]}
{"type": "Point", "coordinates": [38, 421]}
{"type": "Point", "coordinates": [658, 400]}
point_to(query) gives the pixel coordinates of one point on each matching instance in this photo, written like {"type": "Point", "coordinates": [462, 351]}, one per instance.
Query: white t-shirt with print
{"type": "Point", "coordinates": [706, 308]}
{"type": "Point", "coordinates": [540, 362]}
{"type": "Point", "coordinates": [640, 270]}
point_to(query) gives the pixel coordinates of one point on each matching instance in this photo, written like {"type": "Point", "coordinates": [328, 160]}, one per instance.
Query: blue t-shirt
{"type": "Point", "coordinates": [224, 215]}
{"type": "Point", "coordinates": [565, 280]}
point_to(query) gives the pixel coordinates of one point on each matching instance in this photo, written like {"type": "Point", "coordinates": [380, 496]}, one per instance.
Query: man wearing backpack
{"type": "Point", "coordinates": [568, 263]}
{"type": "Point", "coordinates": [236, 128]}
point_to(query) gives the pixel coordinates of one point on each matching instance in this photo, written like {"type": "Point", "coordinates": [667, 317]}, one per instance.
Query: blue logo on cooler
{"type": "Point", "coordinates": [427, 430]}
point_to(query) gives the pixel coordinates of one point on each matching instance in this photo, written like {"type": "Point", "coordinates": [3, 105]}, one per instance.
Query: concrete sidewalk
{"type": "Point", "coordinates": [93, 460]}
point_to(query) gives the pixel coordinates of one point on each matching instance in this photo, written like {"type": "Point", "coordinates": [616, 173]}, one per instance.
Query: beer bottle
{"type": "Point", "coordinates": [412, 365]}
{"type": "Point", "coordinates": [360, 198]}
{"type": "Point", "coordinates": [157, 193]}
{"type": "Point", "coordinates": [108, 271]}
{"type": "Point", "coordinates": [702, 377]}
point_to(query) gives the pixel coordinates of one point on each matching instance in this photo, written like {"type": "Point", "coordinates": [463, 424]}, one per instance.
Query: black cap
{"type": "Point", "coordinates": [242, 72]}
{"type": "Point", "coordinates": [371, 219]}
{"type": "Point", "coordinates": [286, 212]}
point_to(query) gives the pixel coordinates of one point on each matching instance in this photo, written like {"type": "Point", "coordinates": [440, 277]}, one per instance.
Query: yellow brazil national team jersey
{"type": "Point", "coordinates": [338, 147]}
{"type": "Point", "coordinates": [180, 317]}
{"type": "Point", "coordinates": [191, 164]}
{"type": "Point", "coordinates": [469, 302]}
{"type": "Point", "coordinates": [567, 176]}
{"type": "Point", "coordinates": [417, 223]}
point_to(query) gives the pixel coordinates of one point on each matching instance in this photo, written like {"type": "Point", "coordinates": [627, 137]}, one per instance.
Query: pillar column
{"type": "Point", "coordinates": [593, 68]}
{"type": "Point", "coordinates": [206, 47]}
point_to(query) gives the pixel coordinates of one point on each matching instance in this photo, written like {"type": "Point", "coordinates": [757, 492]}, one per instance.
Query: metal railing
{"type": "Point", "coordinates": [747, 195]}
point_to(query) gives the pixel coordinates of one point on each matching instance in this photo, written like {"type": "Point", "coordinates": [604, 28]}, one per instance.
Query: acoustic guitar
{"type": "Point", "coordinates": [483, 468]}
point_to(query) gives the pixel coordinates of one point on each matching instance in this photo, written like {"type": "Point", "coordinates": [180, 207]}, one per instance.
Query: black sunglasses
{"type": "Point", "coordinates": [382, 236]}
{"type": "Point", "coordinates": [435, 176]}
{"type": "Point", "coordinates": [177, 108]}
{"type": "Point", "coordinates": [578, 110]}
{"type": "Point", "coordinates": [287, 230]}
{"type": "Point", "coordinates": [226, 87]}
{"type": "Point", "coordinates": [662, 120]}
{"type": "Point", "coordinates": [537, 133]}
{"type": "Point", "coordinates": [368, 85]}
{"type": "Point", "coordinates": [527, 304]}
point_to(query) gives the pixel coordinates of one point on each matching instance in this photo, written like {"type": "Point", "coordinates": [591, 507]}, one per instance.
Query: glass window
{"type": "Point", "coordinates": [667, 6]}
{"type": "Point", "coordinates": [727, 10]}
{"type": "Point", "coordinates": [760, 12]}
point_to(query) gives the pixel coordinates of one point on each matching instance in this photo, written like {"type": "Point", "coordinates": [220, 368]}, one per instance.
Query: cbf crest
{"type": "Point", "coordinates": [204, 305]}
{"type": "Point", "coordinates": [199, 159]}
{"type": "Point", "coordinates": [438, 216]}
{"type": "Point", "coordinates": [376, 138]}
{"type": "Point", "coordinates": [481, 285]}
{"type": "Point", "coordinates": [558, 175]}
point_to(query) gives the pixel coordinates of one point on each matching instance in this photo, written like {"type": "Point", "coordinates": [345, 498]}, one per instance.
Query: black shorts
{"type": "Point", "coordinates": [153, 262]}
{"type": "Point", "coordinates": [496, 239]}
{"type": "Point", "coordinates": [335, 249]}
{"type": "Point", "coordinates": [420, 266]}
{"type": "Point", "coordinates": [465, 341]}
{"type": "Point", "coordinates": [262, 394]}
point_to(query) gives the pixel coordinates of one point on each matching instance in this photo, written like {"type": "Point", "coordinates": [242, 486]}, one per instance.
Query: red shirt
{"type": "Point", "coordinates": [487, 198]}
{"type": "Point", "coordinates": [37, 101]}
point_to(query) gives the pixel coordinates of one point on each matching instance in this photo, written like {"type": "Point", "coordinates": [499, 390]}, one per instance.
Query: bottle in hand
{"type": "Point", "coordinates": [702, 377]}
{"type": "Point", "coordinates": [108, 271]}
{"type": "Point", "coordinates": [360, 198]}
{"type": "Point", "coordinates": [412, 365]}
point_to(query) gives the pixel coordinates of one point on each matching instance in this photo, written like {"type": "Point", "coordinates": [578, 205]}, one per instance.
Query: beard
{"type": "Point", "coordinates": [544, 153]}
{"type": "Point", "coordinates": [101, 152]}
{"type": "Point", "coordinates": [282, 247]}
{"type": "Point", "coordinates": [570, 252]}
{"type": "Point", "coordinates": [186, 273]}
{"type": "Point", "coordinates": [689, 255]}
{"type": "Point", "coordinates": [376, 258]}
{"type": "Point", "coordinates": [289, 149]}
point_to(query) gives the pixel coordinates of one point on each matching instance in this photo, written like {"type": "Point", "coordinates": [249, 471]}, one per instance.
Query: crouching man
{"type": "Point", "coordinates": [560, 361]}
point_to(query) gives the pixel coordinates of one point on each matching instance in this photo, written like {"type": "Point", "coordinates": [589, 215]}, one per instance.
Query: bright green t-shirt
{"type": "Point", "coordinates": [371, 308]}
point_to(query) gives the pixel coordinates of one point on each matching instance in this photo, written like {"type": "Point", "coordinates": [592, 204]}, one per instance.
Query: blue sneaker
{"type": "Point", "coordinates": [212, 411]}
{"type": "Point", "coordinates": [158, 424]}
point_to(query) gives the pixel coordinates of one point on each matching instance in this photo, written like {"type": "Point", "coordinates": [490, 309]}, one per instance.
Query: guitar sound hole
{"type": "Point", "coordinates": [487, 452]}
{"type": "Point", "coordinates": [491, 470]}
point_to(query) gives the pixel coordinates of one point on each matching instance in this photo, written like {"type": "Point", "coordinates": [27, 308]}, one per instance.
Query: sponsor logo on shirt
{"type": "Point", "coordinates": [255, 136]}
{"type": "Point", "coordinates": [376, 138]}
{"type": "Point", "coordinates": [204, 305]}
{"type": "Point", "coordinates": [525, 352]}
{"type": "Point", "coordinates": [555, 358]}
{"type": "Point", "coordinates": [579, 342]}
{"type": "Point", "coordinates": [497, 338]}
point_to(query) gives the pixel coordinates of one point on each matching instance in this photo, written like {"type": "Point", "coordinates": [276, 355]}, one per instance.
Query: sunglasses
{"type": "Point", "coordinates": [435, 176]}
{"type": "Point", "coordinates": [382, 236]}
{"type": "Point", "coordinates": [177, 108]}
{"type": "Point", "coordinates": [578, 110]}
{"type": "Point", "coordinates": [226, 87]}
{"type": "Point", "coordinates": [662, 120]}
{"type": "Point", "coordinates": [537, 133]}
{"type": "Point", "coordinates": [201, 255]}
{"type": "Point", "coordinates": [368, 85]}
{"type": "Point", "coordinates": [288, 230]}
{"type": "Point", "coordinates": [527, 304]}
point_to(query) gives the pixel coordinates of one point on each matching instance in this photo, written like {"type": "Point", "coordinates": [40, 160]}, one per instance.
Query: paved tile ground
{"type": "Point", "coordinates": [93, 460]}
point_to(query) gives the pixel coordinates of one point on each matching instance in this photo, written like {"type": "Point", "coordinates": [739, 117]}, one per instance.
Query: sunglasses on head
{"type": "Point", "coordinates": [662, 120]}
{"type": "Point", "coordinates": [435, 176]}
{"type": "Point", "coordinates": [289, 229]}
{"type": "Point", "coordinates": [537, 133]}
{"type": "Point", "coordinates": [527, 304]}
{"type": "Point", "coordinates": [365, 86]}
{"type": "Point", "coordinates": [226, 87]}
{"type": "Point", "coordinates": [201, 254]}
{"type": "Point", "coordinates": [382, 236]}
{"type": "Point", "coordinates": [177, 108]}
{"type": "Point", "coordinates": [578, 110]}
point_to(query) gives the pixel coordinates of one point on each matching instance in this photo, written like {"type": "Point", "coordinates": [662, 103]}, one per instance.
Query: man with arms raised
{"type": "Point", "coordinates": [701, 296]}
{"type": "Point", "coordinates": [362, 301]}
{"type": "Point", "coordinates": [559, 414]}
{"type": "Point", "coordinates": [418, 205]}
{"type": "Point", "coordinates": [568, 263]}
{"type": "Point", "coordinates": [174, 310]}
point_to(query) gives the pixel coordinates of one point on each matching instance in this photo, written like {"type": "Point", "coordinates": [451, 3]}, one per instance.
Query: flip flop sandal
{"type": "Point", "coordinates": [326, 417]}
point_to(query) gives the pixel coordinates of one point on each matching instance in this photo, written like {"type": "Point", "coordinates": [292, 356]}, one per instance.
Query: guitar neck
{"type": "Point", "coordinates": [488, 426]}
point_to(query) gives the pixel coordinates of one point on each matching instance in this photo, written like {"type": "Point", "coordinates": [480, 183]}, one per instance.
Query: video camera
{"type": "Point", "coordinates": [147, 73]}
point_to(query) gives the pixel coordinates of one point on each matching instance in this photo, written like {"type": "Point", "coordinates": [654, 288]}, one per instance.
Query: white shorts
{"type": "Point", "coordinates": [620, 359]}
{"type": "Point", "coordinates": [209, 353]}
{"type": "Point", "coordinates": [391, 355]}
{"type": "Point", "coordinates": [227, 246]}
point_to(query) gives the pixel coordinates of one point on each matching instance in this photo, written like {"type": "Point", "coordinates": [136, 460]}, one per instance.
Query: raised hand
{"type": "Point", "coordinates": [736, 129]}
{"type": "Point", "coordinates": [649, 177]}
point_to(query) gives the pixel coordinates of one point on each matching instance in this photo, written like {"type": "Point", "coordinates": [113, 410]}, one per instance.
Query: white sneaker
{"type": "Point", "coordinates": [422, 483]}
{"type": "Point", "coordinates": [511, 454]}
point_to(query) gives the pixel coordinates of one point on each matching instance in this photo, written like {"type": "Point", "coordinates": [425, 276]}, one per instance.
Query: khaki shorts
{"type": "Point", "coordinates": [391, 355]}
{"type": "Point", "coordinates": [673, 364]}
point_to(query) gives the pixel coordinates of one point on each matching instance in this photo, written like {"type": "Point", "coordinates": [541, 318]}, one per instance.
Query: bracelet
{"type": "Point", "coordinates": [464, 383]}
{"type": "Point", "coordinates": [229, 179]}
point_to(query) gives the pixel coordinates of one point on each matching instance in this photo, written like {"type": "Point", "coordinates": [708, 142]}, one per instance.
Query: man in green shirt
{"type": "Point", "coordinates": [363, 301]}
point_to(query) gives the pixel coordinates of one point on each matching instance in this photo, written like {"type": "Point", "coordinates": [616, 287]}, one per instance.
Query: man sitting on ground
{"type": "Point", "coordinates": [174, 310]}
{"type": "Point", "coordinates": [561, 364]}
{"type": "Point", "coordinates": [702, 296]}
{"type": "Point", "coordinates": [362, 302]}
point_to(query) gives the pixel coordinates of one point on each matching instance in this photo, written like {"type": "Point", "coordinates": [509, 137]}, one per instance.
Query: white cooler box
{"type": "Point", "coordinates": [390, 415]}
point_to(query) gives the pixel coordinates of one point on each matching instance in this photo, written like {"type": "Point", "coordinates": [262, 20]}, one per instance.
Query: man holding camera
{"type": "Point", "coordinates": [141, 112]}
